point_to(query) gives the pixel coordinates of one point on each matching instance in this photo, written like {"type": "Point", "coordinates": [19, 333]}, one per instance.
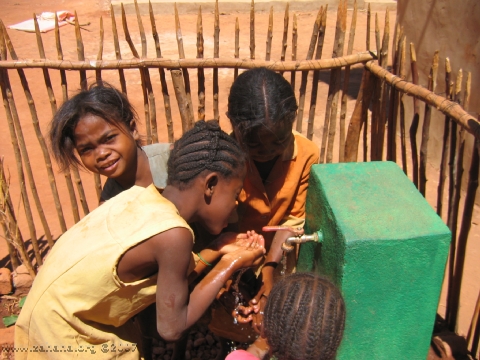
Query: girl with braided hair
{"type": "Point", "coordinates": [304, 320]}
{"type": "Point", "coordinates": [262, 108]}
{"type": "Point", "coordinates": [135, 250]}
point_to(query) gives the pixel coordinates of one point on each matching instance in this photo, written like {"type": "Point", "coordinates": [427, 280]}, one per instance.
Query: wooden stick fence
{"type": "Point", "coordinates": [380, 89]}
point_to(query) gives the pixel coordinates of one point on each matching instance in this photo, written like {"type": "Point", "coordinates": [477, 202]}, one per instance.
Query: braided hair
{"type": "Point", "coordinates": [304, 318]}
{"type": "Point", "coordinates": [258, 96]}
{"type": "Point", "coordinates": [205, 147]}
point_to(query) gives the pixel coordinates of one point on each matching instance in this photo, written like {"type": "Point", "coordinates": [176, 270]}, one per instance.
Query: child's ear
{"type": "Point", "coordinates": [133, 130]}
{"type": "Point", "coordinates": [211, 181]}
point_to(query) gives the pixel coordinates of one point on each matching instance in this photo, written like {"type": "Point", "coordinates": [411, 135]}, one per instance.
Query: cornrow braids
{"type": "Point", "coordinates": [205, 147]}
{"type": "Point", "coordinates": [258, 96]}
{"type": "Point", "coordinates": [100, 99]}
{"type": "Point", "coordinates": [304, 318]}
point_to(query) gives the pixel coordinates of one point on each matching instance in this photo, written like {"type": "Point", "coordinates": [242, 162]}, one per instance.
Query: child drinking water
{"type": "Point", "coordinates": [262, 108]}
{"type": "Point", "coordinates": [99, 124]}
{"type": "Point", "coordinates": [304, 320]}
{"type": "Point", "coordinates": [135, 250]}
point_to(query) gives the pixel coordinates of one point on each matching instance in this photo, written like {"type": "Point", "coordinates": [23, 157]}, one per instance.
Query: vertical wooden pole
{"type": "Point", "coordinates": [294, 50]}
{"type": "Point", "coordinates": [185, 74]}
{"type": "Point", "coordinates": [147, 84]}
{"type": "Point", "coordinates": [369, 17]}
{"type": "Point", "coordinates": [286, 19]}
{"type": "Point", "coordinates": [376, 100]}
{"type": "Point", "coordinates": [346, 79]}
{"type": "Point", "coordinates": [335, 77]}
{"type": "Point", "coordinates": [358, 117]}
{"type": "Point", "coordinates": [237, 46]}
{"type": "Point", "coordinates": [179, 87]}
{"type": "Point", "coordinates": [383, 89]}
{"type": "Point", "coordinates": [416, 117]}
{"type": "Point", "coordinates": [98, 72]}
{"type": "Point", "coordinates": [303, 84]}
{"type": "Point", "coordinates": [216, 54]}
{"type": "Point", "coordinates": [252, 30]}
{"type": "Point", "coordinates": [463, 236]}
{"type": "Point", "coordinates": [268, 50]}
{"type": "Point", "coordinates": [446, 141]}
{"type": "Point", "coordinates": [403, 75]}
{"type": "Point", "coordinates": [146, 107]}
{"type": "Point", "coordinates": [394, 104]}
{"type": "Point", "coordinates": [454, 295]}
{"type": "Point", "coordinates": [118, 54]}
{"type": "Point", "coordinates": [68, 177]}
{"type": "Point", "coordinates": [316, 73]}
{"type": "Point", "coordinates": [200, 71]}
{"type": "Point", "coordinates": [163, 81]}
{"type": "Point", "coordinates": [426, 127]}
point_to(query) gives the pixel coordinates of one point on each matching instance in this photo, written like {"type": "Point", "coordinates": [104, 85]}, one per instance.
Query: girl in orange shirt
{"type": "Point", "coordinates": [262, 108]}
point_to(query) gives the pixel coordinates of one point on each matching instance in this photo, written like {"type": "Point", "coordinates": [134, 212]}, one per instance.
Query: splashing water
{"type": "Point", "coordinates": [236, 291]}
{"type": "Point", "coordinates": [284, 263]}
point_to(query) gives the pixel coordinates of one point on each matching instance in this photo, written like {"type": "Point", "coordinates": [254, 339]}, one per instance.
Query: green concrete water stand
{"type": "Point", "coordinates": [386, 248]}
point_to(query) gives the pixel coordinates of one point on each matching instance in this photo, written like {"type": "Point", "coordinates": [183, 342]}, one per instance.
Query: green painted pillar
{"type": "Point", "coordinates": [386, 248]}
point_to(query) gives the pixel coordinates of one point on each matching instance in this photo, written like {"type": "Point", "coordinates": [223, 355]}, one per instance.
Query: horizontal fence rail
{"type": "Point", "coordinates": [206, 63]}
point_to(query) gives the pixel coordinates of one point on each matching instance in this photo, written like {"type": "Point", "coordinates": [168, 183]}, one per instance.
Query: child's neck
{"type": "Point", "coordinates": [140, 174]}
{"type": "Point", "coordinates": [265, 168]}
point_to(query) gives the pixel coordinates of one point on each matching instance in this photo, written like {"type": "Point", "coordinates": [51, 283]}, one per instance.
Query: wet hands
{"type": "Point", "coordinates": [231, 242]}
{"type": "Point", "coordinates": [249, 251]}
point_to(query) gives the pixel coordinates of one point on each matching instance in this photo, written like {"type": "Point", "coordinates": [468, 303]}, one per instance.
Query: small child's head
{"type": "Point", "coordinates": [209, 153]}
{"type": "Point", "coordinates": [262, 108]}
{"type": "Point", "coordinates": [99, 125]}
{"type": "Point", "coordinates": [304, 318]}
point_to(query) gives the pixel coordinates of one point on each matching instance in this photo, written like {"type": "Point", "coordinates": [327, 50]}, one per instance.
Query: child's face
{"type": "Point", "coordinates": [223, 203]}
{"type": "Point", "coordinates": [104, 148]}
{"type": "Point", "coordinates": [267, 142]}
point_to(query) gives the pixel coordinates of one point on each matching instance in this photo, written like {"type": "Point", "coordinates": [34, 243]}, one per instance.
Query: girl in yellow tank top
{"type": "Point", "coordinates": [136, 250]}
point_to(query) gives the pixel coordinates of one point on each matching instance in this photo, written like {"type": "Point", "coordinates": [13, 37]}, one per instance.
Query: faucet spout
{"type": "Point", "coordinates": [300, 239]}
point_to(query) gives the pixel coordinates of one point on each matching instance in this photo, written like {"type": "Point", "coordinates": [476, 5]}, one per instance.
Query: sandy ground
{"type": "Point", "coordinates": [14, 11]}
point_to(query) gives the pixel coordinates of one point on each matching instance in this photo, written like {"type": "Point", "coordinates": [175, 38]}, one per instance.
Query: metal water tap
{"type": "Point", "coordinates": [299, 237]}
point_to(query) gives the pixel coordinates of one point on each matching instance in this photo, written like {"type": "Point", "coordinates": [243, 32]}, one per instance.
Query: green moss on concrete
{"type": "Point", "coordinates": [386, 248]}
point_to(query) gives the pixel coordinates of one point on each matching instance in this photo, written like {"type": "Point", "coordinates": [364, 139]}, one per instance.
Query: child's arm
{"type": "Point", "coordinates": [226, 243]}
{"type": "Point", "coordinates": [176, 311]}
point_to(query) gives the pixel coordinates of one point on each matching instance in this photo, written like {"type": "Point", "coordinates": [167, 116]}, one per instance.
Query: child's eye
{"type": "Point", "coordinates": [111, 137]}
{"type": "Point", "coordinates": [83, 151]}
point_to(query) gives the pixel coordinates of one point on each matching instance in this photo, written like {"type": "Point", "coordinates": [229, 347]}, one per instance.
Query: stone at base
{"type": "Point", "coordinates": [5, 281]}
{"type": "Point", "coordinates": [21, 278]}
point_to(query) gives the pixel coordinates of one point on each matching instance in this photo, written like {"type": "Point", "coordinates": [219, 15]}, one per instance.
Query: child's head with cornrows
{"type": "Point", "coordinates": [93, 129]}
{"type": "Point", "coordinates": [204, 148]}
{"type": "Point", "coordinates": [304, 318]}
{"type": "Point", "coordinates": [208, 160]}
{"type": "Point", "coordinates": [262, 108]}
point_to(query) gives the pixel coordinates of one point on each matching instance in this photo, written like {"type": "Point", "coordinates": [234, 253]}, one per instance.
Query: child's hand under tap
{"type": "Point", "coordinates": [230, 241]}
{"type": "Point", "coordinates": [250, 252]}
